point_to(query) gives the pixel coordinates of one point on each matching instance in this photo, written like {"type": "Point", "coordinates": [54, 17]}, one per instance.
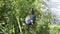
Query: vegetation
{"type": "Point", "coordinates": [14, 12]}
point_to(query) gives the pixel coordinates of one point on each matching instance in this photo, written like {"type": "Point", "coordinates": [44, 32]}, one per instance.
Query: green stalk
{"type": "Point", "coordinates": [19, 26]}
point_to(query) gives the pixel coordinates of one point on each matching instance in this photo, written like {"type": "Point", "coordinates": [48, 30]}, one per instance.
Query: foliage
{"type": "Point", "coordinates": [14, 12]}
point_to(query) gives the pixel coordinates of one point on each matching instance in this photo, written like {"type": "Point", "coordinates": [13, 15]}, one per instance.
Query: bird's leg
{"type": "Point", "coordinates": [31, 22]}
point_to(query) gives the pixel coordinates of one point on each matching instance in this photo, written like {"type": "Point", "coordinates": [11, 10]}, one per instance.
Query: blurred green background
{"type": "Point", "coordinates": [14, 12]}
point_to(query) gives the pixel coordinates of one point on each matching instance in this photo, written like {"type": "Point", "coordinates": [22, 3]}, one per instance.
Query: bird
{"type": "Point", "coordinates": [30, 19]}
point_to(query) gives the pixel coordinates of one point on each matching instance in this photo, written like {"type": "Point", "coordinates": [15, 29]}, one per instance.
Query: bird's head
{"type": "Point", "coordinates": [32, 11]}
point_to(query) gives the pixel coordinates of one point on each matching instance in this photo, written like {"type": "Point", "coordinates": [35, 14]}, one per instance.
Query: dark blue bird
{"type": "Point", "coordinates": [29, 20]}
